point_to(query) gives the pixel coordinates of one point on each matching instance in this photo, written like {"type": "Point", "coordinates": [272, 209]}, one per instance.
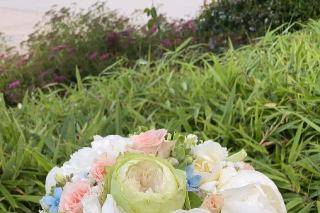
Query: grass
{"type": "Point", "coordinates": [264, 98]}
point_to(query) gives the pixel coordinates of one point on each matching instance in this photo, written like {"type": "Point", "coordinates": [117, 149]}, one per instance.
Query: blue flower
{"type": "Point", "coordinates": [193, 181]}
{"type": "Point", "coordinates": [51, 203]}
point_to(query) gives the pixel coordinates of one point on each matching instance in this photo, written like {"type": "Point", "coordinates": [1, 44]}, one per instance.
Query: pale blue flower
{"type": "Point", "coordinates": [193, 181]}
{"type": "Point", "coordinates": [51, 203]}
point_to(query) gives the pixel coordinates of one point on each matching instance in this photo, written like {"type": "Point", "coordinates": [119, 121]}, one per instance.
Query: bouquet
{"type": "Point", "coordinates": [158, 172]}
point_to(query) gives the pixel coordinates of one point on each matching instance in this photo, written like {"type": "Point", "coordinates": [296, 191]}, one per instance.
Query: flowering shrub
{"type": "Point", "coordinates": [90, 40]}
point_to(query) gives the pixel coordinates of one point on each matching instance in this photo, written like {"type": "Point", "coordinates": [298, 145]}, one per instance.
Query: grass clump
{"type": "Point", "coordinates": [264, 98]}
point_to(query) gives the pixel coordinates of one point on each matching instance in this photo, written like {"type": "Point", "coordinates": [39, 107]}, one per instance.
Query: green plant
{"type": "Point", "coordinates": [242, 20]}
{"type": "Point", "coordinates": [263, 98]}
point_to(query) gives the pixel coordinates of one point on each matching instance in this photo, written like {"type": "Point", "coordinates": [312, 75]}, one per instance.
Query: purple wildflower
{"type": "Point", "coordinates": [104, 56]}
{"type": "Point", "coordinates": [191, 25]}
{"type": "Point", "coordinates": [59, 48]}
{"type": "Point", "coordinates": [92, 56]}
{"type": "Point", "coordinates": [166, 43]}
{"type": "Point", "coordinates": [154, 29]}
{"type": "Point", "coordinates": [14, 84]}
{"type": "Point", "coordinates": [112, 38]}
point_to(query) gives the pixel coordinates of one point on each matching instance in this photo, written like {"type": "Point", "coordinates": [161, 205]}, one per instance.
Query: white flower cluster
{"type": "Point", "coordinates": [229, 185]}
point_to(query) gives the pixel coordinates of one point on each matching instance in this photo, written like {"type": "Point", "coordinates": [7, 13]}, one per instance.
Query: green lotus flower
{"type": "Point", "coordinates": [141, 183]}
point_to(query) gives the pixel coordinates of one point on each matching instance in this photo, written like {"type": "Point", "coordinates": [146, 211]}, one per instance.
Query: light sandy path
{"type": "Point", "coordinates": [17, 24]}
{"type": "Point", "coordinates": [17, 17]}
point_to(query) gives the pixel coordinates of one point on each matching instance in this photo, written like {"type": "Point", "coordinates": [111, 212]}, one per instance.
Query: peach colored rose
{"type": "Point", "coordinates": [98, 170]}
{"type": "Point", "coordinates": [213, 203]}
{"type": "Point", "coordinates": [72, 195]}
{"type": "Point", "coordinates": [150, 141]}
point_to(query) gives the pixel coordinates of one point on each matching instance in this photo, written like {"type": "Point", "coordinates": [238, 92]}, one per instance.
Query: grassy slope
{"type": "Point", "coordinates": [264, 98]}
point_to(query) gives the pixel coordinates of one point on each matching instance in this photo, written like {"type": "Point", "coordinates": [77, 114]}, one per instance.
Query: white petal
{"type": "Point", "coordinates": [246, 199]}
{"type": "Point", "coordinates": [110, 205]}
{"type": "Point", "coordinates": [248, 177]}
{"type": "Point", "coordinates": [112, 145]}
{"type": "Point", "coordinates": [227, 173]}
{"type": "Point", "coordinates": [50, 179]}
{"type": "Point", "coordinates": [209, 187]}
{"type": "Point", "coordinates": [191, 141]}
{"type": "Point", "coordinates": [210, 151]}
{"type": "Point", "coordinates": [80, 161]}
{"type": "Point", "coordinates": [91, 204]}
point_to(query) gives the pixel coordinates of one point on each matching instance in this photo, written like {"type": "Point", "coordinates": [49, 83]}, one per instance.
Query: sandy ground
{"type": "Point", "coordinates": [17, 17]}
{"type": "Point", "coordinates": [17, 24]}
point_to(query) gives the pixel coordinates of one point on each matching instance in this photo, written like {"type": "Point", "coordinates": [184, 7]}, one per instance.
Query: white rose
{"type": "Point", "coordinates": [253, 190]}
{"type": "Point", "coordinates": [209, 160]}
{"type": "Point", "coordinates": [249, 199]}
{"type": "Point", "coordinates": [210, 151]}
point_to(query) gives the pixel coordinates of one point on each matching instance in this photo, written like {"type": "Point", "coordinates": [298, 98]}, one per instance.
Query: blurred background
{"type": "Point", "coordinates": [18, 17]}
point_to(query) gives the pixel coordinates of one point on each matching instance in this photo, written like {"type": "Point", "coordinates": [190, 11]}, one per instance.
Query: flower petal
{"type": "Point", "coordinates": [189, 171]}
{"type": "Point", "coordinates": [110, 205]}
{"type": "Point", "coordinates": [194, 181]}
{"type": "Point", "coordinates": [91, 204]}
{"type": "Point", "coordinates": [247, 199]}
{"type": "Point", "coordinates": [50, 179]}
{"type": "Point", "coordinates": [48, 201]}
{"type": "Point", "coordinates": [53, 209]}
{"type": "Point", "coordinates": [57, 192]}
{"type": "Point", "coordinates": [248, 177]}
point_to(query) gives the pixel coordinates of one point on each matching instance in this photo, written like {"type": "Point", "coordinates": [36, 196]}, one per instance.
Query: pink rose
{"type": "Point", "coordinates": [72, 195]}
{"type": "Point", "coordinates": [213, 203]}
{"type": "Point", "coordinates": [149, 142]}
{"type": "Point", "coordinates": [98, 170]}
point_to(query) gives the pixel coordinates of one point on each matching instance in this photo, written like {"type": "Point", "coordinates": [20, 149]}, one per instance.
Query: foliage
{"type": "Point", "coordinates": [264, 98]}
{"type": "Point", "coordinates": [241, 20]}
{"type": "Point", "coordinates": [90, 40]}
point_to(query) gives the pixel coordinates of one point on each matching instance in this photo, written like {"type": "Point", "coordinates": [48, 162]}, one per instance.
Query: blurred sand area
{"type": "Point", "coordinates": [17, 24]}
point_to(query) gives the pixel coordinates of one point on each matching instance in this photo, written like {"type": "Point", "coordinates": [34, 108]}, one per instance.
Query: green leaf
{"type": "Point", "coordinates": [195, 200]}
{"type": "Point", "coordinates": [239, 156]}
{"type": "Point", "coordinates": [8, 197]}
{"type": "Point", "coordinates": [41, 159]}
{"type": "Point", "coordinates": [295, 148]}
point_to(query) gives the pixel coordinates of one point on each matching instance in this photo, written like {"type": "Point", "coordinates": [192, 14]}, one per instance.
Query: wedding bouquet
{"type": "Point", "coordinates": [158, 172]}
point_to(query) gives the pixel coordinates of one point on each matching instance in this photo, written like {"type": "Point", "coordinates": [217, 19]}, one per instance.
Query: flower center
{"type": "Point", "coordinates": [147, 176]}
